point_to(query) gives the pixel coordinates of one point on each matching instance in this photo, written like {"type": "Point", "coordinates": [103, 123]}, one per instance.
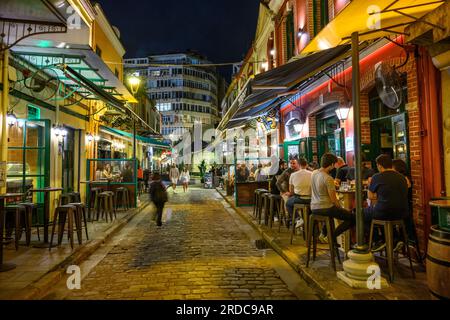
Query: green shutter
{"type": "Point", "coordinates": [34, 113]}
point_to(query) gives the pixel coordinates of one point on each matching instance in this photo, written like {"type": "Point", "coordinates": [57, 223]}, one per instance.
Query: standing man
{"type": "Point", "coordinates": [174, 175]}
{"type": "Point", "coordinates": [299, 189]}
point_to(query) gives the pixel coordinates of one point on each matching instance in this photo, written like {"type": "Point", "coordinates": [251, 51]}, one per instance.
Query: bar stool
{"type": "Point", "coordinates": [81, 215]}
{"type": "Point", "coordinates": [264, 207]}
{"type": "Point", "coordinates": [64, 199]}
{"type": "Point", "coordinates": [18, 211]}
{"type": "Point", "coordinates": [31, 211]}
{"type": "Point", "coordinates": [274, 203]}
{"type": "Point", "coordinates": [260, 203]}
{"type": "Point", "coordinates": [304, 211]}
{"type": "Point", "coordinates": [388, 227]}
{"type": "Point", "coordinates": [312, 236]}
{"type": "Point", "coordinates": [93, 201]}
{"type": "Point", "coordinates": [75, 197]}
{"type": "Point", "coordinates": [122, 198]}
{"type": "Point", "coordinates": [256, 200]}
{"type": "Point", "coordinates": [282, 214]}
{"type": "Point", "coordinates": [105, 206]}
{"type": "Point", "coordinates": [63, 213]}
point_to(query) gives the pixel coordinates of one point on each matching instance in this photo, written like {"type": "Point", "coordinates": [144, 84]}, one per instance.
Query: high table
{"type": "Point", "coordinates": [5, 266]}
{"type": "Point", "coordinates": [46, 192]}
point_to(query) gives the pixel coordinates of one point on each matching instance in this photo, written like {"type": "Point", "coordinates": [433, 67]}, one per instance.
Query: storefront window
{"type": "Point", "coordinates": [118, 171]}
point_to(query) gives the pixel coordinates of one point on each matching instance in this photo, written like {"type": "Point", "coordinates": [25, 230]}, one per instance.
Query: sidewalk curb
{"type": "Point", "coordinates": [39, 288]}
{"type": "Point", "coordinates": [301, 270]}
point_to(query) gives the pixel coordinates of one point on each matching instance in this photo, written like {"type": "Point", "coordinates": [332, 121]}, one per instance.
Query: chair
{"type": "Point", "coordinates": [312, 236]}
{"type": "Point", "coordinates": [69, 213]}
{"type": "Point", "coordinates": [304, 210]}
{"type": "Point", "coordinates": [388, 227]}
{"type": "Point", "coordinates": [122, 198]}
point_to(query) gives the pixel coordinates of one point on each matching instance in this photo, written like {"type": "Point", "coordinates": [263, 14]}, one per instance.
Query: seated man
{"type": "Point", "coordinates": [389, 190]}
{"type": "Point", "coordinates": [283, 180]}
{"type": "Point", "coordinates": [324, 201]}
{"type": "Point", "coordinates": [342, 171]}
{"type": "Point", "coordinates": [299, 189]}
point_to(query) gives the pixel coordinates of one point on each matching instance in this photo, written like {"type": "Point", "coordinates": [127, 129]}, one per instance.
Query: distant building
{"type": "Point", "coordinates": [185, 93]}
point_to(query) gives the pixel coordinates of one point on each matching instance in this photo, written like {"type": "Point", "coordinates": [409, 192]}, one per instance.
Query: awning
{"type": "Point", "coordinates": [291, 74]}
{"type": "Point", "coordinates": [386, 17]}
{"type": "Point", "coordinates": [147, 140]}
{"type": "Point", "coordinates": [81, 59]}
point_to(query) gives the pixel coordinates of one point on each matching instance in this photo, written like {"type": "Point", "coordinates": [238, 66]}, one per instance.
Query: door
{"type": "Point", "coordinates": [400, 137]}
{"type": "Point", "coordinates": [28, 164]}
{"type": "Point", "coordinates": [306, 149]}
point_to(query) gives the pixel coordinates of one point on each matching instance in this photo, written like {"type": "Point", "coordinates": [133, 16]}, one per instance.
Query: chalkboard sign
{"type": "Point", "coordinates": [208, 181]}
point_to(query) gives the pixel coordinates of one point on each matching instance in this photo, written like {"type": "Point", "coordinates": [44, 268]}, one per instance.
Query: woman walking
{"type": "Point", "coordinates": [185, 178]}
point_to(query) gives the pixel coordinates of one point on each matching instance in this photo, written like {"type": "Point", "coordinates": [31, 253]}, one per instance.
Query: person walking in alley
{"type": "Point", "coordinates": [185, 178]}
{"type": "Point", "coordinates": [159, 197]}
{"type": "Point", "coordinates": [174, 175]}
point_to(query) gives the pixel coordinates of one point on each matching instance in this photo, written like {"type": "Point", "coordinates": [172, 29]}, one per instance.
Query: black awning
{"type": "Point", "coordinates": [291, 74]}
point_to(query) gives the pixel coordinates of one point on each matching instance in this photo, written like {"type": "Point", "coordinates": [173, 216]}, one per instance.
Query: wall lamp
{"type": "Point", "coordinates": [300, 32]}
{"type": "Point", "coordinates": [11, 119]}
{"type": "Point", "coordinates": [342, 113]}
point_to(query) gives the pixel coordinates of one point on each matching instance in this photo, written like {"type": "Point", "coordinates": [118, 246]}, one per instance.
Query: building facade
{"type": "Point", "coordinates": [185, 94]}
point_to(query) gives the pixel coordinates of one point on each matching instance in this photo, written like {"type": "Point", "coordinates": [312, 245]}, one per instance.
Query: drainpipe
{"type": "Point", "coordinates": [4, 112]}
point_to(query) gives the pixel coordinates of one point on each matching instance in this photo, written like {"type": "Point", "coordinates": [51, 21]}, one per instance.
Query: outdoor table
{"type": "Point", "coordinates": [46, 192]}
{"type": "Point", "coordinates": [5, 266]}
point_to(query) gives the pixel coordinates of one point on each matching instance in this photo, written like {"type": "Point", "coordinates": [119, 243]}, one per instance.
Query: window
{"type": "Point", "coordinates": [324, 18]}
{"type": "Point", "coordinates": [290, 36]}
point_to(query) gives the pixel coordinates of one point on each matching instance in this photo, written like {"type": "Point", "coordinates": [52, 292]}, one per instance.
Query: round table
{"type": "Point", "coordinates": [46, 192]}
{"type": "Point", "coordinates": [5, 266]}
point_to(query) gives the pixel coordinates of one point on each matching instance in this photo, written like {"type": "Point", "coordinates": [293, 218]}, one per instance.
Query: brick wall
{"type": "Point", "coordinates": [365, 117]}
{"type": "Point", "coordinates": [313, 133]}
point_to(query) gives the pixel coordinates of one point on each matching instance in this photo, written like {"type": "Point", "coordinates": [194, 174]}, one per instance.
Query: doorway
{"type": "Point", "coordinates": [330, 136]}
{"type": "Point", "coordinates": [68, 161]}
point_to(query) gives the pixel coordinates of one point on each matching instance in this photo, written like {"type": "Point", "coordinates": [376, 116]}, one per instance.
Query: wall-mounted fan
{"type": "Point", "coordinates": [389, 85]}
{"type": "Point", "coordinates": [43, 84]}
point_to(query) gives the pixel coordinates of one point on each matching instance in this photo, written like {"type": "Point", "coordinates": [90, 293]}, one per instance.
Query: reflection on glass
{"type": "Point", "coordinates": [253, 170]}
{"type": "Point", "coordinates": [121, 171]}
{"type": "Point", "coordinates": [35, 134]}
{"type": "Point", "coordinates": [35, 161]}
{"type": "Point", "coordinates": [15, 136]}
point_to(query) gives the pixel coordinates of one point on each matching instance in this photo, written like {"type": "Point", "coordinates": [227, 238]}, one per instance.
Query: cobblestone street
{"type": "Point", "coordinates": [201, 252]}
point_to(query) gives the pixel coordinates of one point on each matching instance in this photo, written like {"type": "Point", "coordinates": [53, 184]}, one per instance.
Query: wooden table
{"type": "Point", "coordinates": [5, 266]}
{"type": "Point", "coordinates": [46, 192]}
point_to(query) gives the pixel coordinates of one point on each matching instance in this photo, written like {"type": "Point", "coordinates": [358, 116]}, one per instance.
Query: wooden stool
{"type": "Point", "coordinates": [304, 210]}
{"type": "Point", "coordinates": [122, 198]}
{"type": "Point", "coordinates": [389, 240]}
{"type": "Point", "coordinates": [274, 202]}
{"type": "Point", "coordinates": [63, 213]}
{"type": "Point", "coordinates": [256, 200]}
{"type": "Point", "coordinates": [312, 238]}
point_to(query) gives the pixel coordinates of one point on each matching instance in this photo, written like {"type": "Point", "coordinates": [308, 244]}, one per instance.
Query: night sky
{"type": "Point", "coordinates": [223, 30]}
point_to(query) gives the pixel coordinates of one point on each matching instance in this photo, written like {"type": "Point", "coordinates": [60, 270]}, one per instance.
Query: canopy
{"type": "Point", "coordinates": [372, 20]}
{"type": "Point", "coordinates": [148, 140]}
{"type": "Point", "coordinates": [291, 74]}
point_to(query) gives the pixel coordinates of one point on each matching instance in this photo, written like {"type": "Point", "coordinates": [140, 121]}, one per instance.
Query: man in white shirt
{"type": "Point", "coordinates": [299, 188]}
{"type": "Point", "coordinates": [174, 175]}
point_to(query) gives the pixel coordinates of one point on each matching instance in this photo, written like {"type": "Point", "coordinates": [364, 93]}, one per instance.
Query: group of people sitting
{"type": "Point", "coordinates": [389, 191]}
{"type": "Point", "coordinates": [258, 173]}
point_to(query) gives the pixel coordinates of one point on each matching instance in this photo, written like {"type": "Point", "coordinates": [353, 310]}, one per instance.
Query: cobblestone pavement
{"type": "Point", "coordinates": [199, 253]}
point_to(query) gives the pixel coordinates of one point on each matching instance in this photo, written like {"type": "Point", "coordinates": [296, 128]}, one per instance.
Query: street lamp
{"type": "Point", "coordinates": [134, 83]}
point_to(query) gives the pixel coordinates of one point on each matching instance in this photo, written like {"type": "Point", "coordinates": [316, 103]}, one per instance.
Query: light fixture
{"type": "Point", "coordinates": [11, 119]}
{"type": "Point", "coordinates": [342, 113]}
{"type": "Point", "coordinates": [89, 137]}
{"type": "Point", "coordinates": [298, 127]}
{"type": "Point", "coordinates": [134, 83]}
{"type": "Point", "coordinates": [56, 130]}
{"type": "Point", "coordinates": [64, 132]}
{"type": "Point", "coordinates": [300, 32]}
{"type": "Point", "coordinates": [265, 66]}
{"type": "Point", "coordinates": [97, 138]}
{"type": "Point", "coordinates": [272, 52]}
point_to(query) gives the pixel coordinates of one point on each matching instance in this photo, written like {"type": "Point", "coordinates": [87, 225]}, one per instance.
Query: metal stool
{"type": "Point", "coordinates": [81, 215]}
{"type": "Point", "coordinates": [75, 197]}
{"type": "Point", "coordinates": [274, 203]}
{"type": "Point", "coordinates": [32, 210]}
{"type": "Point", "coordinates": [105, 206]}
{"type": "Point", "coordinates": [256, 200]}
{"type": "Point", "coordinates": [304, 210]}
{"type": "Point", "coordinates": [18, 211]}
{"type": "Point", "coordinates": [259, 208]}
{"type": "Point", "coordinates": [64, 199]}
{"type": "Point", "coordinates": [389, 240]}
{"type": "Point", "coordinates": [312, 237]}
{"type": "Point", "coordinates": [264, 207]}
{"type": "Point", "coordinates": [122, 198]}
{"type": "Point", "coordinates": [63, 213]}
{"type": "Point", "coordinates": [93, 201]}
{"type": "Point", "coordinates": [282, 214]}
